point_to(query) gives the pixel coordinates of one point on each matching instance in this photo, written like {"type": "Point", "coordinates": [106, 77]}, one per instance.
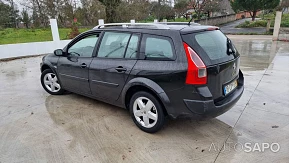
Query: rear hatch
{"type": "Point", "coordinates": [220, 57]}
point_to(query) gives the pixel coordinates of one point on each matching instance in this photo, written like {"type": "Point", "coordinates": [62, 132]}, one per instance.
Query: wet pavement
{"type": "Point", "coordinates": [230, 28]}
{"type": "Point", "coordinates": [38, 127]}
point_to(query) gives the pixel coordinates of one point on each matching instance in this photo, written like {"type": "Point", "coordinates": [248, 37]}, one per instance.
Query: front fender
{"type": "Point", "coordinates": [48, 64]}
{"type": "Point", "coordinates": [51, 62]}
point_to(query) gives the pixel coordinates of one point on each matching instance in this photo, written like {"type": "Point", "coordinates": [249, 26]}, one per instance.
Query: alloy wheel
{"type": "Point", "coordinates": [145, 112]}
{"type": "Point", "coordinates": [51, 82]}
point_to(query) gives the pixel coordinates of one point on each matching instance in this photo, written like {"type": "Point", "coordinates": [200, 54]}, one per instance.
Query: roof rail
{"type": "Point", "coordinates": [126, 25]}
{"type": "Point", "coordinates": [177, 23]}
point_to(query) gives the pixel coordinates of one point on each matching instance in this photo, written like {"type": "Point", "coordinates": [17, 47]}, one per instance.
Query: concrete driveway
{"type": "Point", "coordinates": [38, 127]}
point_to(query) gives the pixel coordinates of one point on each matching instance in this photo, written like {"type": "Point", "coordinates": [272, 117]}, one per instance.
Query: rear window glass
{"type": "Point", "coordinates": [210, 45]}
{"type": "Point", "coordinates": [213, 43]}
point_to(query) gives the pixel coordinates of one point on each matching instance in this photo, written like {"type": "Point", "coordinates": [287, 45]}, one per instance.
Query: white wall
{"type": "Point", "coordinates": [26, 49]}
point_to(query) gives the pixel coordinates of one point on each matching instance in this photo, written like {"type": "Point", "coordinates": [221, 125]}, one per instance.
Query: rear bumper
{"type": "Point", "coordinates": [210, 109]}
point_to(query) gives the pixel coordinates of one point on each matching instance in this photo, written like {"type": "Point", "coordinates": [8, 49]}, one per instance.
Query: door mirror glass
{"type": "Point", "coordinates": [59, 52]}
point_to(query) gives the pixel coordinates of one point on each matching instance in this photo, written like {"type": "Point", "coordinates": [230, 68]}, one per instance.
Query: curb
{"type": "Point", "coordinates": [20, 57]}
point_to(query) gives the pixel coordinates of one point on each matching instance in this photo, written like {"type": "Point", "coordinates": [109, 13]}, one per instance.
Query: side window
{"type": "Point", "coordinates": [84, 47]}
{"type": "Point", "coordinates": [113, 45]}
{"type": "Point", "coordinates": [158, 47]}
{"type": "Point", "coordinates": [132, 47]}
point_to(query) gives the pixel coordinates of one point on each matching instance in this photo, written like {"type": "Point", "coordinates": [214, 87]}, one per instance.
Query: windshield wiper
{"type": "Point", "coordinates": [230, 48]}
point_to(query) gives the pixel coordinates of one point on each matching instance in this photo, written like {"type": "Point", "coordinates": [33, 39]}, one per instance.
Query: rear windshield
{"type": "Point", "coordinates": [212, 46]}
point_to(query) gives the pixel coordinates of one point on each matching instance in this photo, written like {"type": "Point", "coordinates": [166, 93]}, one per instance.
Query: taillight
{"type": "Point", "coordinates": [197, 70]}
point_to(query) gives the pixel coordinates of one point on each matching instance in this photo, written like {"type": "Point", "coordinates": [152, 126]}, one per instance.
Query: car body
{"type": "Point", "coordinates": [182, 70]}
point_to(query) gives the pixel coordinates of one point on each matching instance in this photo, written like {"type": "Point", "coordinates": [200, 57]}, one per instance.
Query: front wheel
{"type": "Point", "coordinates": [147, 112]}
{"type": "Point", "coordinates": [51, 83]}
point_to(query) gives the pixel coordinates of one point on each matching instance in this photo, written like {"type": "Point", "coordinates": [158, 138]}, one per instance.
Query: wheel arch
{"type": "Point", "coordinates": [47, 66]}
{"type": "Point", "coordinates": [143, 84]}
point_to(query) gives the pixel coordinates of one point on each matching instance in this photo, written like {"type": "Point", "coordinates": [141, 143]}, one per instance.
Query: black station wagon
{"type": "Point", "coordinates": [155, 70]}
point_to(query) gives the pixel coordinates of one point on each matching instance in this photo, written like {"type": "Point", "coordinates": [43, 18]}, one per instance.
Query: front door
{"type": "Point", "coordinates": [73, 68]}
{"type": "Point", "coordinates": [115, 59]}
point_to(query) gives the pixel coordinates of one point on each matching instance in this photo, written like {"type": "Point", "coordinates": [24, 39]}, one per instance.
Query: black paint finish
{"type": "Point", "coordinates": [110, 80]}
{"type": "Point", "coordinates": [73, 73]}
{"type": "Point", "coordinates": [108, 76]}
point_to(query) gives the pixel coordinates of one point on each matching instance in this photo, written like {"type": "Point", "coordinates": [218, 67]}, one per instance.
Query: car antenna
{"type": "Point", "coordinates": [190, 22]}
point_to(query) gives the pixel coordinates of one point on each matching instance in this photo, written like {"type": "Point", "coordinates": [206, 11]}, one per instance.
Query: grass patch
{"type": "Point", "coordinates": [245, 34]}
{"type": "Point", "coordinates": [266, 33]}
{"type": "Point", "coordinates": [263, 23]}
{"type": "Point", "coordinates": [284, 21]}
{"type": "Point", "coordinates": [14, 36]}
{"type": "Point", "coordinates": [252, 24]}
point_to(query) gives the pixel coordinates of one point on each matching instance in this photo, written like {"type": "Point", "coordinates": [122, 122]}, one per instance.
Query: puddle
{"type": "Point", "coordinates": [256, 54]}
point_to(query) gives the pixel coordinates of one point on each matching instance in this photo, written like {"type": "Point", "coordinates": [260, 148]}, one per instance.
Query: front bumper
{"type": "Point", "coordinates": [210, 109]}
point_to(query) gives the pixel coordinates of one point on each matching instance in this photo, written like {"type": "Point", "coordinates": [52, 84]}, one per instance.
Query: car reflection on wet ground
{"type": "Point", "coordinates": [37, 127]}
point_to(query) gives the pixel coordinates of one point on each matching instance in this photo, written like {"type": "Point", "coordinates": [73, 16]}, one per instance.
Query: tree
{"type": "Point", "coordinates": [13, 14]}
{"type": "Point", "coordinates": [4, 14]}
{"type": "Point", "coordinates": [181, 8]}
{"type": "Point", "coordinates": [211, 6]}
{"type": "Point", "coordinates": [284, 5]}
{"type": "Point", "coordinates": [253, 6]}
{"type": "Point", "coordinates": [25, 18]}
{"type": "Point", "coordinates": [90, 12]}
{"type": "Point", "coordinates": [39, 12]}
{"type": "Point", "coordinates": [133, 9]}
{"type": "Point", "coordinates": [197, 5]}
{"type": "Point", "coordinates": [110, 9]}
{"type": "Point", "coordinates": [161, 10]}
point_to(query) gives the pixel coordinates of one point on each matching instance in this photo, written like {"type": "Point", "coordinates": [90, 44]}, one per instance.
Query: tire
{"type": "Point", "coordinates": [50, 82]}
{"type": "Point", "coordinates": [151, 117]}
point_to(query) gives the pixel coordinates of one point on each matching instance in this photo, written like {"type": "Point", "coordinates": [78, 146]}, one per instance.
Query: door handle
{"type": "Point", "coordinates": [83, 65]}
{"type": "Point", "coordinates": [120, 69]}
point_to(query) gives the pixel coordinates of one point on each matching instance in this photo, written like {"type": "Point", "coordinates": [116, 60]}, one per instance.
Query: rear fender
{"type": "Point", "coordinates": [151, 85]}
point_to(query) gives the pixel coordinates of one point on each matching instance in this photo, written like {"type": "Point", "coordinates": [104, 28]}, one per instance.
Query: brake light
{"type": "Point", "coordinates": [213, 28]}
{"type": "Point", "coordinates": [197, 70]}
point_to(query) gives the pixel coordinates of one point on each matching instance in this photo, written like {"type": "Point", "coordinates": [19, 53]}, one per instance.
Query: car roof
{"type": "Point", "coordinates": [142, 28]}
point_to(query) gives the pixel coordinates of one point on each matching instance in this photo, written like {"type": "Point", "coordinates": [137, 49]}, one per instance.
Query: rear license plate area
{"type": "Point", "coordinates": [230, 87]}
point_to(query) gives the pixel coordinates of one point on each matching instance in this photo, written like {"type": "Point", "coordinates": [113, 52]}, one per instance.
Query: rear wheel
{"type": "Point", "coordinates": [146, 112]}
{"type": "Point", "coordinates": [51, 83]}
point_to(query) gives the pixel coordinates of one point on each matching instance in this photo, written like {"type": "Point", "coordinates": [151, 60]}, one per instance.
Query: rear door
{"type": "Point", "coordinates": [221, 58]}
{"type": "Point", "coordinates": [115, 59]}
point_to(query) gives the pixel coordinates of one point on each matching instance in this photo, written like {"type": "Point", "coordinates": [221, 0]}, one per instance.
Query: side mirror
{"type": "Point", "coordinates": [59, 52]}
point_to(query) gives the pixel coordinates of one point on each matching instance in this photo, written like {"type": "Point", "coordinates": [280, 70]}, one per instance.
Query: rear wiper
{"type": "Point", "coordinates": [230, 48]}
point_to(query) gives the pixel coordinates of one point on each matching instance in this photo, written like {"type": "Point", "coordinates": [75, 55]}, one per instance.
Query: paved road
{"type": "Point", "coordinates": [38, 127]}
{"type": "Point", "coordinates": [230, 28]}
